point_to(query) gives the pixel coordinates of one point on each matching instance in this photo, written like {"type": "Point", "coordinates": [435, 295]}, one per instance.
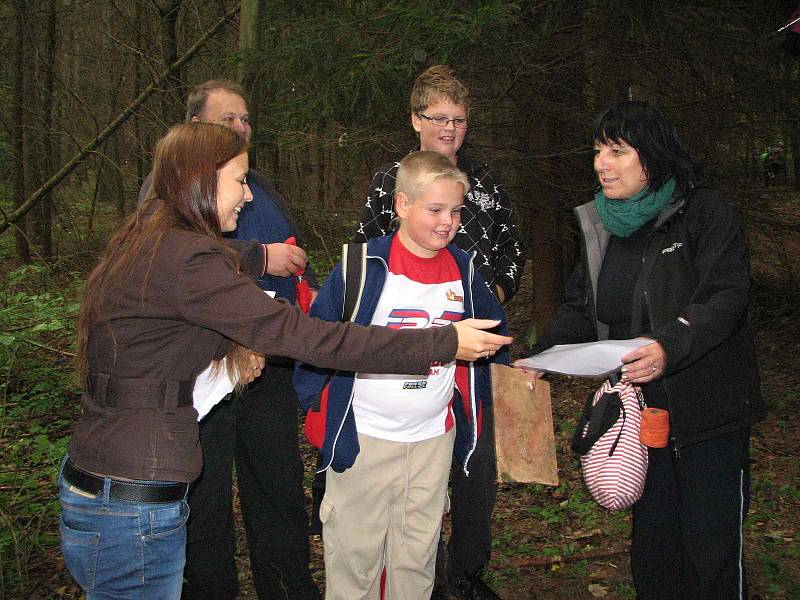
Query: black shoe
{"type": "Point", "coordinates": [472, 587]}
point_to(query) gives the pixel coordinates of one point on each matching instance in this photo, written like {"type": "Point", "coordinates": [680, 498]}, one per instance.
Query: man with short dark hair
{"type": "Point", "coordinates": [257, 430]}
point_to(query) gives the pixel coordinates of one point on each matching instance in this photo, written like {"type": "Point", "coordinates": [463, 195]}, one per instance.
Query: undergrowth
{"type": "Point", "coordinates": [38, 401]}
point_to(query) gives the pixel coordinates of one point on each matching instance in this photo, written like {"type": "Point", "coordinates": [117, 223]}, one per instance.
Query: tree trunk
{"type": "Point", "coordinates": [138, 78]}
{"type": "Point", "coordinates": [551, 127]}
{"type": "Point", "coordinates": [792, 144]}
{"type": "Point", "coordinates": [18, 131]}
{"type": "Point", "coordinates": [109, 176]}
{"type": "Point", "coordinates": [545, 230]}
{"type": "Point", "coordinates": [172, 102]}
{"type": "Point", "coordinates": [250, 45]}
{"type": "Point", "coordinates": [45, 237]}
{"type": "Point", "coordinates": [33, 158]}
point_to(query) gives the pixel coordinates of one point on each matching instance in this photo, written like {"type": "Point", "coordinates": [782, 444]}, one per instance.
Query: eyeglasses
{"type": "Point", "coordinates": [442, 121]}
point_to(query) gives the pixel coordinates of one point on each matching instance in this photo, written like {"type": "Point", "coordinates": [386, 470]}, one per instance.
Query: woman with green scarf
{"type": "Point", "coordinates": [665, 258]}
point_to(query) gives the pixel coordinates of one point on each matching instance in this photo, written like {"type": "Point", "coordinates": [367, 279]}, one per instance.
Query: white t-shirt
{"type": "Point", "coordinates": [419, 292]}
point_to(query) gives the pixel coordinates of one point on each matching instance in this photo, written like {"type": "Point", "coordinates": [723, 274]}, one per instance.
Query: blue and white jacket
{"type": "Point", "coordinates": [333, 428]}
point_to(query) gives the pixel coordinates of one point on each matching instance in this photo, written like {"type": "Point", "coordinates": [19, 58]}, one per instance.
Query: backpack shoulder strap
{"type": "Point", "coordinates": [354, 270]}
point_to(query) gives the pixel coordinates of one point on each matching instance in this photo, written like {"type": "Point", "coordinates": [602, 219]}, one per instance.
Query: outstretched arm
{"type": "Point", "coordinates": [474, 342]}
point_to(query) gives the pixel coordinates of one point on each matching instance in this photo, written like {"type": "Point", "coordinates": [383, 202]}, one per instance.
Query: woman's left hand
{"type": "Point", "coordinates": [644, 364]}
{"type": "Point", "coordinates": [256, 365]}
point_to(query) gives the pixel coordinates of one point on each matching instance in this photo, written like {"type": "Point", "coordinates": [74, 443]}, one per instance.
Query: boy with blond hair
{"type": "Point", "coordinates": [388, 439]}
{"type": "Point", "coordinates": [440, 107]}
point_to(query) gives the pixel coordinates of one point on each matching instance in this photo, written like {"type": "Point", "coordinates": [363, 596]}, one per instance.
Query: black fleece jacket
{"type": "Point", "coordinates": [695, 284]}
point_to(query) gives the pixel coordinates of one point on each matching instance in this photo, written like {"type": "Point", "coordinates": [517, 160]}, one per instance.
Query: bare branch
{"type": "Point", "coordinates": [23, 209]}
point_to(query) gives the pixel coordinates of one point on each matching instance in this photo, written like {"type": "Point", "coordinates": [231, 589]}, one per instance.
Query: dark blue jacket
{"type": "Point", "coordinates": [340, 446]}
{"type": "Point", "coordinates": [267, 219]}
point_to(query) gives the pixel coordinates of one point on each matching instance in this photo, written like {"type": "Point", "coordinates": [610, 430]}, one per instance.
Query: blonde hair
{"type": "Point", "coordinates": [419, 169]}
{"type": "Point", "coordinates": [437, 83]}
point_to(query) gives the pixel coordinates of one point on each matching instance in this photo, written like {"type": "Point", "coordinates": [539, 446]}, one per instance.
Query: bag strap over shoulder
{"type": "Point", "coordinates": [354, 274]}
{"type": "Point", "coordinates": [354, 269]}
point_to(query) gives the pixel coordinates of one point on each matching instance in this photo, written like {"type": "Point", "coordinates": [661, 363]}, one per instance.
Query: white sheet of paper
{"type": "Point", "coordinates": [209, 389]}
{"type": "Point", "coordinates": [593, 359]}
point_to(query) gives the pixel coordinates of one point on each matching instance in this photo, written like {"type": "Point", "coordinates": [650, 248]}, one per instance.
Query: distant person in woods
{"type": "Point", "coordinates": [388, 440]}
{"type": "Point", "coordinates": [167, 298]}
{"type": "Point", "coordinates": [258, 430]}
{"type": "Point", "coordinates": [664, 257]}
{"type": "Point", "coordinates": [440, 105]}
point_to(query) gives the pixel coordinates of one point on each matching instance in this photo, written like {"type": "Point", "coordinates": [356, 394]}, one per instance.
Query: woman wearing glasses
{"type": "Point", "coordinates": [440, 116]}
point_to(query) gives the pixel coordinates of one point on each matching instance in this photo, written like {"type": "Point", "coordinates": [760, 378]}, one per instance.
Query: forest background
{"type": "Point", "coordinates": [88, 87]}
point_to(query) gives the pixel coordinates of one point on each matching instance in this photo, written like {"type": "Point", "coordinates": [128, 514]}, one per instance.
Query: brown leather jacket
{"type": "Point", "coordinates": [137, 419]}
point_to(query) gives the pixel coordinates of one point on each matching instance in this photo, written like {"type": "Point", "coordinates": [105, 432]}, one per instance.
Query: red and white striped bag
{"type": "Point", "coordinates": [613, 460]}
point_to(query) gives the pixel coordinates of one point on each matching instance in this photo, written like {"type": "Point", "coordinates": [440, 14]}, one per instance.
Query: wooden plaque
{"type": "Point", "coordinates": [523, 424]}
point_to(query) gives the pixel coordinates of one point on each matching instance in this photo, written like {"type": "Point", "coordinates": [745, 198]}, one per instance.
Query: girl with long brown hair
{"type": "Point", "coordinates": [167, 298]}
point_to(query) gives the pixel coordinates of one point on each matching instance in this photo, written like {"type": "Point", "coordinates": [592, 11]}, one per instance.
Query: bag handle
{"type": "Point", "coordinates": [597, 418]}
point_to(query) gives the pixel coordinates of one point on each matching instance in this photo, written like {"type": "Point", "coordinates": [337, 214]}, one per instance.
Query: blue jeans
{"type": "Point", "coordinates": [120, 549]}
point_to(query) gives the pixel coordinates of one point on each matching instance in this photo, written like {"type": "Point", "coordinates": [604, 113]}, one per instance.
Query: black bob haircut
{"type": "Point", "coordinates": [646, 129]}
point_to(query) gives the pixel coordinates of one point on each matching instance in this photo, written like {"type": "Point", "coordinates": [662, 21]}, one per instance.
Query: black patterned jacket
{"type": "Point", "coordinates": [487, 223]}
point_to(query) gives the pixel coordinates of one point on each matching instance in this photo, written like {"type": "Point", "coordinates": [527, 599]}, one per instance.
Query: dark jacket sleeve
{"type": "Point", "coordinates": [308, 379]}
{"type": "Point", "coordinates": [253, 256]}
{"type": "Point", "coordinates": [266, 185]}
{"type": "Point", "coordinates": [209, 293]}
{"type": "Point", "coordinates": [376, 216]}
{"type": "Point", "coordinates": [488, 307]}
{"type": "Point", "coordinates": [718, 303]}
{"type": "Point", "coordinates": [509, 256]}
{"type": "Point", "coordinates": [574, 323]}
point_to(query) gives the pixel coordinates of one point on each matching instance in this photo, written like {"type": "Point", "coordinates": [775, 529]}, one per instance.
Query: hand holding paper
{"type": "Point", "coordinates": [592, 359]}
{"type": "Point", "coordinates": [644, 364]}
